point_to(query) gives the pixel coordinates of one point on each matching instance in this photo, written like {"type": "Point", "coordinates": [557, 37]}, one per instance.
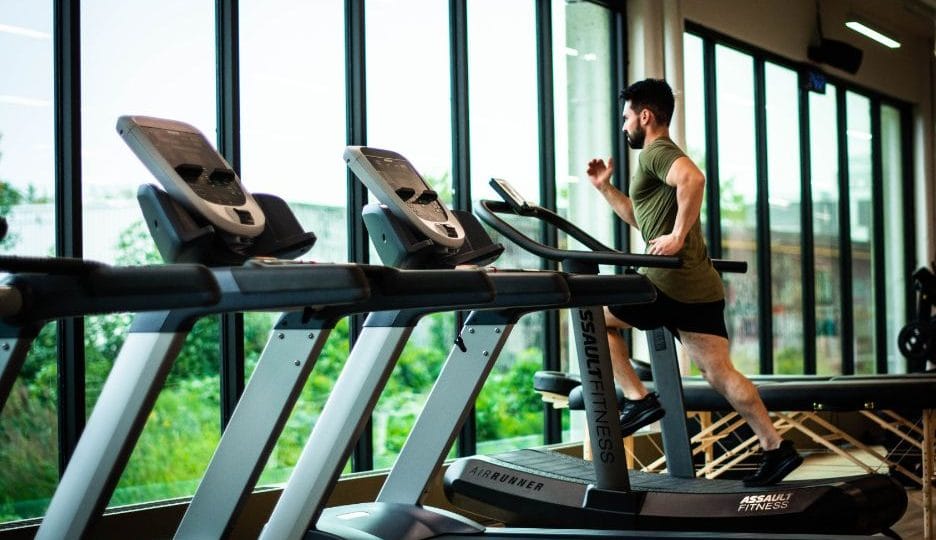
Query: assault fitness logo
{"type": "Point", "coordinates": [762, 503]}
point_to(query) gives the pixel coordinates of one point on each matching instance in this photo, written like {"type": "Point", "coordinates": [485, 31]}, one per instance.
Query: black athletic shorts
{"type": "Point", "coordinates": [703, 317]}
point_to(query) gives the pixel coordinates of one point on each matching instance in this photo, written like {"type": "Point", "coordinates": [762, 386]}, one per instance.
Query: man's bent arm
{"type": "Point", "coordinates": [690, 185]}
{"type": "Point", "coordinates": [620, 203]}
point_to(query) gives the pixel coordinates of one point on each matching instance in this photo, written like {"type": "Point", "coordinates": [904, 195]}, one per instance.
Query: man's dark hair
{"type": "Point", "coordinates": [653, 94]}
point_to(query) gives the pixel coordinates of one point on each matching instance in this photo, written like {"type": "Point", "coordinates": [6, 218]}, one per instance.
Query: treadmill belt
{"type": "Point", "coordinates": [562, 467]}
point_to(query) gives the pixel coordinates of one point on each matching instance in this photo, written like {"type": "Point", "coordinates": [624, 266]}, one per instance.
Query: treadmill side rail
{"type": "Point", "coordinates": [13, 351]}
{"type": "Point", "coordinates": [108, 438]}
{"type": "Point", "coordinates": [251, 434]}
{"type": "Point", "coordinates": [444, 412]}
{"type": "Point", "coordinates": [345, 413]}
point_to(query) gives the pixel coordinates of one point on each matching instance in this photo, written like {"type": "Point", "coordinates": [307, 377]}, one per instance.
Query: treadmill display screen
{"type": "Point", "coordinates": [186, 151]}
{"type": "Point", "coordinates": [409, 186]}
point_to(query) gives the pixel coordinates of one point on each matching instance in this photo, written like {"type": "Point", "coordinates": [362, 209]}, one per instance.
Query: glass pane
{"type": "Point", "coordinates": [586, 121]}
{"type": "Point", "coordinates": [28, 423]}
{"type": "Point", "coordinates": [738, 189]}
{"type": "Point", "coordinates": [504, 144]}
{"type": "Point", "coordinates": [861, 210]}
{"type": "Point", "coordinates": [408, 85]}
{"type": "Point", "coordinates": [783, 172]}
{"type": "Point", "coordinates": [895, 271]}
{"type": "Point", "coordinates": [585, 115]}
{"type": "Point", "coordinates": [824, 171]}
{"type": "Point", "coordinates": [694, 99]}
{"type": "Point", "coordinates": [293, 108]}
{"type": "Point", "coordinates": [164, 68]}
{"type": "Point", "coordinates": [409, 111]}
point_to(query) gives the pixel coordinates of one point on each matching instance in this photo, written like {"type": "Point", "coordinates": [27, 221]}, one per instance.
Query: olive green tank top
{"type": "Point", "coordinates": [655, 210]}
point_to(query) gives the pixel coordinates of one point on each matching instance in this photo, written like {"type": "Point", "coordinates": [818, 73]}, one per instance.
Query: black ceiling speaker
{"type": "Point", "coordinates": [837, 54]}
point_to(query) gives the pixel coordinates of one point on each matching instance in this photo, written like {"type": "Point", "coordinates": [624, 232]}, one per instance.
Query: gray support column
{"type": "Point", "coordinates": [674, 66]}
{"type": "Point", "coordinates": [345, 414]}
{"type": "Point", "coordinates": [446, 408]}
{"type": "Point", "coordinates": [13, 351]}
{"type": "Point", "coordinates": [601, 411]}
{"type": "Point", "coordinates": [252, 432]}
{"type": "Point", "coordinates": [118, 417]}
{"type": "Point", "coordinates": [668, 384]}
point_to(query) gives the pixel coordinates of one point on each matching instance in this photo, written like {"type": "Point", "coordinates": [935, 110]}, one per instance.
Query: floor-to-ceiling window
{"type": "Point", "coordinates": [504, 122]}
{"type": "Point", "coordinates": [292, 99]}
{"type": "Point", "coordinates": [785, 203]}
{"type": "Point", "coordinates": [896, 244]}
{"type": "Point", "coordinates": [861, 228]}
{"type": "Point", "coordinates": [737, 193]}
{"type": "Point", "coordinates": [177, 81]}
{"type": "Point", "coordinates": [814, 177]}
{"type": "Point", "coordinates": [824, 175]}
{"type": "Point", "coordinates": [408, 111]}
{"type": "Point", "coordinates": [29, 419]}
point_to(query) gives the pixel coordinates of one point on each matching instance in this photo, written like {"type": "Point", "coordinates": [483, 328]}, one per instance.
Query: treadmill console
{"type": "Point", "coordinates": [511, 196]}
{"type": "Point", "coordinates": [193, 172]}
{"type": "Point", "coordinates": [397, 185]}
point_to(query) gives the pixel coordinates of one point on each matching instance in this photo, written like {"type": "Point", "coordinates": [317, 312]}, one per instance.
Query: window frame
{"type": "Point", "coordinates": [710, 38]}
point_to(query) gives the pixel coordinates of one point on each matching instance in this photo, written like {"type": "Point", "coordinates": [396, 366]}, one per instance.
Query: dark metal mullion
{"type": "Point", "coordinates": [461, 162]}
{"type": "Point", "coordinates": [228, 115]}
{"type": "Point", "coordinates": [878, 277]}
{"type": "Point", "coordinates": [807, 240]}
{"type": "Point", "coordinates": [847, 332]}
{"type": "Point", "coordinates": [547, 167]}
{"type": "Point", "coordinates": [764, 270]}
{"type": "Point", "coordinates": [68, 216]}
{"type": "Point", "coordinates": [620, 150]}
{"type": "Point", "coordinates": [713, 217]}
{"type": "Point", "coordinates": [909, 204]}
{"type": "Point", "coordinates": [356, 119]}
{"type": "Point", "coordinates": [461, 133]}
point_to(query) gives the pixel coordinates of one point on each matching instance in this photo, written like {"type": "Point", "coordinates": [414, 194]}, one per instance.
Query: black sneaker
{"type": "Point", "coordinates": [637, 413]}
{"type": "Point", "coordinates": [776, 464]}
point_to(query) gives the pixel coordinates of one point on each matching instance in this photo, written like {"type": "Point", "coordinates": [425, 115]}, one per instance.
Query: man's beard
{"type": "Point", "coordinates": [636, 141]}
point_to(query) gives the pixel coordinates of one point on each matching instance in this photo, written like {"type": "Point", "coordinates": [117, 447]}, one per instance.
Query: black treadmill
{"type": "Point", "coordinates": [568, 492]}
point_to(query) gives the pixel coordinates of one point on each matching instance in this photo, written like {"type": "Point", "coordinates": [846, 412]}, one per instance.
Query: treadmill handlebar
{"type": "Point", "coordinates": [600, 254]}
{"type": "Point", "coordinates": [729, 266]}
{"type": "Point", "coordinates": [73, 287]}
{"type": "Point", "coordinates": [47, 265]}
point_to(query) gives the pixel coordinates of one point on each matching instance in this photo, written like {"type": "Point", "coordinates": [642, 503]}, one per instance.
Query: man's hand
{"type": "Point", "coordinates": [600, 174]}
{"type": "Point", "coordinates": [668, 244]}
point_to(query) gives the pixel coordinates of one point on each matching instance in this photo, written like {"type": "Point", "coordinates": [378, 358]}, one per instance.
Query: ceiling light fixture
{"type": "Point", "coordinates": [26, 32]}
{"type": "Point", "coordinates": [866, 30]}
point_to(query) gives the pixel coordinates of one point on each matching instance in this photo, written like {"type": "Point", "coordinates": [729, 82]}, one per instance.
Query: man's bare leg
{"type": "Point", "coordinates": [624, 374]}
{"type": "Point", "coordinates": [711, 354]}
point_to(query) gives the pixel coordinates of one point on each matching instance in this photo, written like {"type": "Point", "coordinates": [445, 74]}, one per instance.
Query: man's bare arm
{"type": "Point", "coordinates": [600, 175]}
{"type": "Point", "coordinates": [690, 186]}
